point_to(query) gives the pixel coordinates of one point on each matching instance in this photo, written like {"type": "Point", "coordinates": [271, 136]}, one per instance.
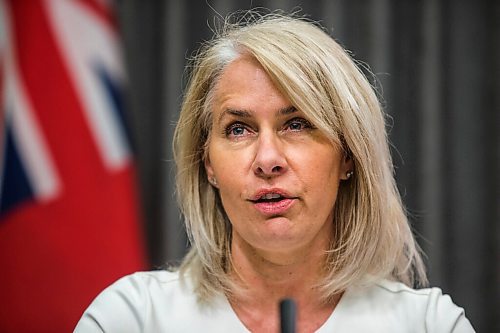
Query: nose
{"type": "Point", "coordinates": [270, 160]}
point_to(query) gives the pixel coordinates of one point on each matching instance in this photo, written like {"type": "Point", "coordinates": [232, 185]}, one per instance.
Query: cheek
{"type": "Point", "coordinates": [226, 165]}
{"type": "Point", "coordinates": [320, 174]}
{"type": "Point", "coordinates": [229, 168]}
{"type": "Point", "coordinates": [319, 166]}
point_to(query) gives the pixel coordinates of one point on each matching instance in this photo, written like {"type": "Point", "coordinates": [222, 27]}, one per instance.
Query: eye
{"type": "Point", "coordinates": [236, 130]}
{"type": "Point", "coordinates": [298, 124]}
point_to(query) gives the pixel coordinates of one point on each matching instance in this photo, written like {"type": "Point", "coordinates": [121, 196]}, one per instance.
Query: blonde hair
{"type": "Point", "coordinates": [372, 237]}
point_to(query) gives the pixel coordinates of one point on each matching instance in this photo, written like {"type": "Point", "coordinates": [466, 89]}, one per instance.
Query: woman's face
{"type": "Point", "coordinates": [277, 175]}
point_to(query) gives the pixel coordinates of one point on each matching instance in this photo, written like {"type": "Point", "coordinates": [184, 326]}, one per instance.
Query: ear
{"type": "Point", "coordinates": [209, 170]}
{"type": "Point", "coordinates": [346, 165]}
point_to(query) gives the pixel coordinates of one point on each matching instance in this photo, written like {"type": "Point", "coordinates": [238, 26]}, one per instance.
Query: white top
{"type": "Point", "coordinates": [157, 302]}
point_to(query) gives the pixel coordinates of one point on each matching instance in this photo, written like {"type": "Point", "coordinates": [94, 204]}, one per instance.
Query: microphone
{"type": "Point", "coordinates": [288, 312]}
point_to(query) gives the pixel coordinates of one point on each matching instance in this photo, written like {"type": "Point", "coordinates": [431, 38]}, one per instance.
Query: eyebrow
{"type": "Point", "coordinates": [248, 114]}
{"type": "Point", "coordinates": [288, 110]}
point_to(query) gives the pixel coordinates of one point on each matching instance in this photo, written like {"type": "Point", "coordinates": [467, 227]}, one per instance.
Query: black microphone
{"type": "Point", "coordinates": [288, 312]}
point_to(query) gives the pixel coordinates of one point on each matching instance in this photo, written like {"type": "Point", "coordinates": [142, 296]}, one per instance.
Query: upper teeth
{"type": "Point", "coordinates": [270, 196]}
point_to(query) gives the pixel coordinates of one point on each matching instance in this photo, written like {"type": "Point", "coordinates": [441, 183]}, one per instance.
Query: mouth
{"type": "Point", "coordinates": [271, 195]}
{"type": "Point", "coordinates": [272, 202]}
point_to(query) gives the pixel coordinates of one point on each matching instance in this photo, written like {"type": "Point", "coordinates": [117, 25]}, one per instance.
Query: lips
{"type": "Point", "coordinates": [272, 201]}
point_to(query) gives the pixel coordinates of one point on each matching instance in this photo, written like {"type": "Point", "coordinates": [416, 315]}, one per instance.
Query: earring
{"type": "Point", "coordinates": [213, 181]}
{"type": "Point", "coordinates": [349, 174]}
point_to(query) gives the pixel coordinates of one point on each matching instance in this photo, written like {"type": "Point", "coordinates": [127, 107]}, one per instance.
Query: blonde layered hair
{"type": "Point", "coordinates": [372, 237]}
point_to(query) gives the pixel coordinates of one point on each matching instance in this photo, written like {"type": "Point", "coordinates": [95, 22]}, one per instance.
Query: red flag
{"type": "Point", "coordinates": [68, 212]}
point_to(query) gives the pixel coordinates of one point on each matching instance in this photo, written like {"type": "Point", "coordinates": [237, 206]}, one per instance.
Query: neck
{"type": "Point", "coordinates": [280, 274]}
{"type": "Point", "coordinates": [270, 276]}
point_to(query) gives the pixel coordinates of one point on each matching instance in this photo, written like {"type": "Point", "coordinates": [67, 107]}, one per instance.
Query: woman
{"type": "Point", "coordinates": [286, 184]}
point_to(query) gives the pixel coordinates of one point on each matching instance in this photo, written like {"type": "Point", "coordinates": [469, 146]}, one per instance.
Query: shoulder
{"type": "Point", "coordinates": [144, 284]}
{"type": "Point", "coordinates": [156, 301]}
{"type": "Point", "coordinates": [127, 304]}
{"type": "Point", "coordinates": [141, 283]}
{"type": "Point", "coordinates": [393, 304]}
{"type": "Point", "coordinates": [141, 288]}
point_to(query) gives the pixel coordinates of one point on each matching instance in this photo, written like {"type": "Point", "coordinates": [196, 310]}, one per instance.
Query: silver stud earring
{"type": "Point", "coordinates": [213, 181]}
{"type": "Point", "coordinates": [349, 174]}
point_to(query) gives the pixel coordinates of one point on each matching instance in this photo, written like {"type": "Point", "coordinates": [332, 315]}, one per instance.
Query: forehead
{"type": "Point", "coordinates": [245, 85]}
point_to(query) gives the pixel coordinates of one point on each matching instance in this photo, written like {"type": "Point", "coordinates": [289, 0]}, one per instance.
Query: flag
{"type": "Point", "coordinates": [69, 222]}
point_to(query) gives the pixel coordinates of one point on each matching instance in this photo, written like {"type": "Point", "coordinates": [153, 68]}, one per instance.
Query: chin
{"type": "Point", "coordinates": [279, 226]}
{"type": "Point", "coordinates": [279, 233]}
